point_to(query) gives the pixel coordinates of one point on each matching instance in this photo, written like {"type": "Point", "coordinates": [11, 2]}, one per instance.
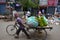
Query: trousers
{"type": "Point", "coordinates": [23, 30]}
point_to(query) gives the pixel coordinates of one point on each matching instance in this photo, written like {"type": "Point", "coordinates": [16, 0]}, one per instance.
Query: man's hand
{"type": "Point", "coordinates": [15, 23]}
{"type": "Point", "coordinates": [26, 25]}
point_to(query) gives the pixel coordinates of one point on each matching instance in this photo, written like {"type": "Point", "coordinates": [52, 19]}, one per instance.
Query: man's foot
{"type": "Point", "coordinates": [28, 37]}
{"type": "Point", "coordinates": [16, 36]}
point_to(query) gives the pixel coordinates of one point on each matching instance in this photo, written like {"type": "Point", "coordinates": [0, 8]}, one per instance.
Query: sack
{"type": "Point", "coordinates": [45, 21]}
{"type": "Point", "coordinates": [42, 21]}
{"type": "Point", "coordinates": [32, 22]}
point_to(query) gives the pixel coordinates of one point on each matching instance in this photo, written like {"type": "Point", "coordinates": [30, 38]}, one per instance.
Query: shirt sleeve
{"type": "Point", "coordinates": [20, 20]}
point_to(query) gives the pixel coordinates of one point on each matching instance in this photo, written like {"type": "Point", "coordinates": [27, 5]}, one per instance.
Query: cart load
{"type": "Point", "coordinates": [32, 22]}
{"type": "Point", "coordinates": [42, 21]}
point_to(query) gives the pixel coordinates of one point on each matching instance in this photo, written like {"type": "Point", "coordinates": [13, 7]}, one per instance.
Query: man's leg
{"type": "Point", "coordinates": [26, 33]}
{"type": "Point", "coordinates": [17, 33]}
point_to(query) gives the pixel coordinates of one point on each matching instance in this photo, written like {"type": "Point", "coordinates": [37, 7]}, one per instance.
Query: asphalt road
{"type": "Point", "coordinates": [54, 34]}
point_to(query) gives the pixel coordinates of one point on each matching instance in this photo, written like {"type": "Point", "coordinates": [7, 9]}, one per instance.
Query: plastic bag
{"type": "Point", "coordinates": [42, 21]}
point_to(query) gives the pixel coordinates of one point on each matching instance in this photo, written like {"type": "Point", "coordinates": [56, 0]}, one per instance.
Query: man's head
{"type": "Point", "coordinates": [39, 13]}
{"type": "Point", "coordinates": [16, 15]}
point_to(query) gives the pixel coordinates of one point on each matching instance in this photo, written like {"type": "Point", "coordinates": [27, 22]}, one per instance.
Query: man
{"type": "Point", "coordinates": [20, 22]}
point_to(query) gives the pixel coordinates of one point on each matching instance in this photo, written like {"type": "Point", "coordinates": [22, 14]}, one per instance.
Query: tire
{"type": "Point", "coordinates": [11, 30]}
{"type": "Point", "coordinates": [43, 34]}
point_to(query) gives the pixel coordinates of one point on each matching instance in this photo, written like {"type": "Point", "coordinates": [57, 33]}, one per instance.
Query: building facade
{"type": "Point", "coordinates": [48, 6]}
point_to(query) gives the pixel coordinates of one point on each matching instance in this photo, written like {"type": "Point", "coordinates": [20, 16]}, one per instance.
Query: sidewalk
{"type": "Point", "coordinates": [1, 16]}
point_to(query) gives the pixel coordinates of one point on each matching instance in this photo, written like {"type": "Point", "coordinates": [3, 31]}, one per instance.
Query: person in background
{"type": "Point", "coordinates": [9, 10]}
{"type": "Point", "coordinates": [21, 28]}
{"type": "Point", "coordinates": [14, 11]}
{"type": "Point", "coordinates": [39, 14]}
{"type": "Point", "coordinates": [28, 14]}
{"type": "Point", "coordinates": [43, 11]}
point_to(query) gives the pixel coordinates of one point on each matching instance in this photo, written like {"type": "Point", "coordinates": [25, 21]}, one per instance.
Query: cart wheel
{"type": "Point", "coordinates": [42, 34]}
{"type": "Point", "coordinates": [45, 35]}
{"type": "Point", "coordinates": [11, 30]}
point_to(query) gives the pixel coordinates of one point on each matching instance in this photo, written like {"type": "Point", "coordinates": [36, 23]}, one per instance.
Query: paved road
{"type": "Point", "coordinates": [54, 34]}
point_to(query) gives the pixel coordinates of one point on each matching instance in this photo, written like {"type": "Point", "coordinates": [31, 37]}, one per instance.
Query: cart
{"type": "Point", "coordinates": [11, 29]}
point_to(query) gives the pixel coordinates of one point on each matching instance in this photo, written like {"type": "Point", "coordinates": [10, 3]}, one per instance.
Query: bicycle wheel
{"type": "Point", "coordinates": [11, 30]}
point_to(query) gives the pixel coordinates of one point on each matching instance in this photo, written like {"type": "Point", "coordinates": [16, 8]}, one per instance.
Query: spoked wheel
{"type": "Point", "coordinates": [11, 30]}
{"type": "Point", "coordinates": [42, 34]}
{"type": "Point", "coordinates": [45, 35]}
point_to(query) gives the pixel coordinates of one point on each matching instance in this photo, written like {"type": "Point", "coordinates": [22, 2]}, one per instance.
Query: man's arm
{"type": "Point", "coordinates": [16, 22]}
{"type": "Point", "coordinates": [23, 21]}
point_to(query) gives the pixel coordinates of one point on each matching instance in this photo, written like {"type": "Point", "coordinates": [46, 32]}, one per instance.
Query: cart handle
{"type": "Point", "coordinates": [41, 28]}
